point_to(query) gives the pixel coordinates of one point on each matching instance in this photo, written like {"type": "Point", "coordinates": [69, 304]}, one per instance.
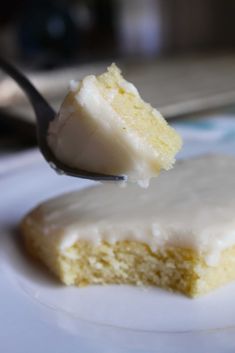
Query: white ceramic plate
{"type": "Point", "coordinates": [40, 315]}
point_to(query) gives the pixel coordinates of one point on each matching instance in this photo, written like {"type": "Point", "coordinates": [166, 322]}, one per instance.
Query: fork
{"type": "Point", "coordinates": [44, 115]}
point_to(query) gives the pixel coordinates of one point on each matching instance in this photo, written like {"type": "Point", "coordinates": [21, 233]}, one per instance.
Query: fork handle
{"type": "Point", "coordinates": [43, 110]}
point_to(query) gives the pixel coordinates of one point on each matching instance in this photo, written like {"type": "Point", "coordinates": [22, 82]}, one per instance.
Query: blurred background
{"type": "Point", "coordinates": [179, 53]}
{"type": "Point", "coordinates": [45, 34]}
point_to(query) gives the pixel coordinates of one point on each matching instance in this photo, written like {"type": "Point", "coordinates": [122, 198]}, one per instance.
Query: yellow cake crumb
{"type": "Point", "coordinates": [141, 118]}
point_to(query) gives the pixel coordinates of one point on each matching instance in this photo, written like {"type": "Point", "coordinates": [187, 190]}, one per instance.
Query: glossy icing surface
{"type": "Point", "coordinates": [192, 206]}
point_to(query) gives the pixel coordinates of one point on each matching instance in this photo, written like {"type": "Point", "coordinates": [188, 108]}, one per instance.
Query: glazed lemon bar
{"type": "Point", "coordinates": [104, 126]}
{"type": "Point", "coordinates": [178, 234]}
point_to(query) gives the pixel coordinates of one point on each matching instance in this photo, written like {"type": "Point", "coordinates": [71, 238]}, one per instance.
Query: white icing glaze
{"type": "Point", "coordinates": [73, 85]}
{"type": "Point", "coordinates": [110, 95]}
{"type": "Point", "coordinates": [191, 206]}
{"type": "Point", "coordinates": [143, 183]}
